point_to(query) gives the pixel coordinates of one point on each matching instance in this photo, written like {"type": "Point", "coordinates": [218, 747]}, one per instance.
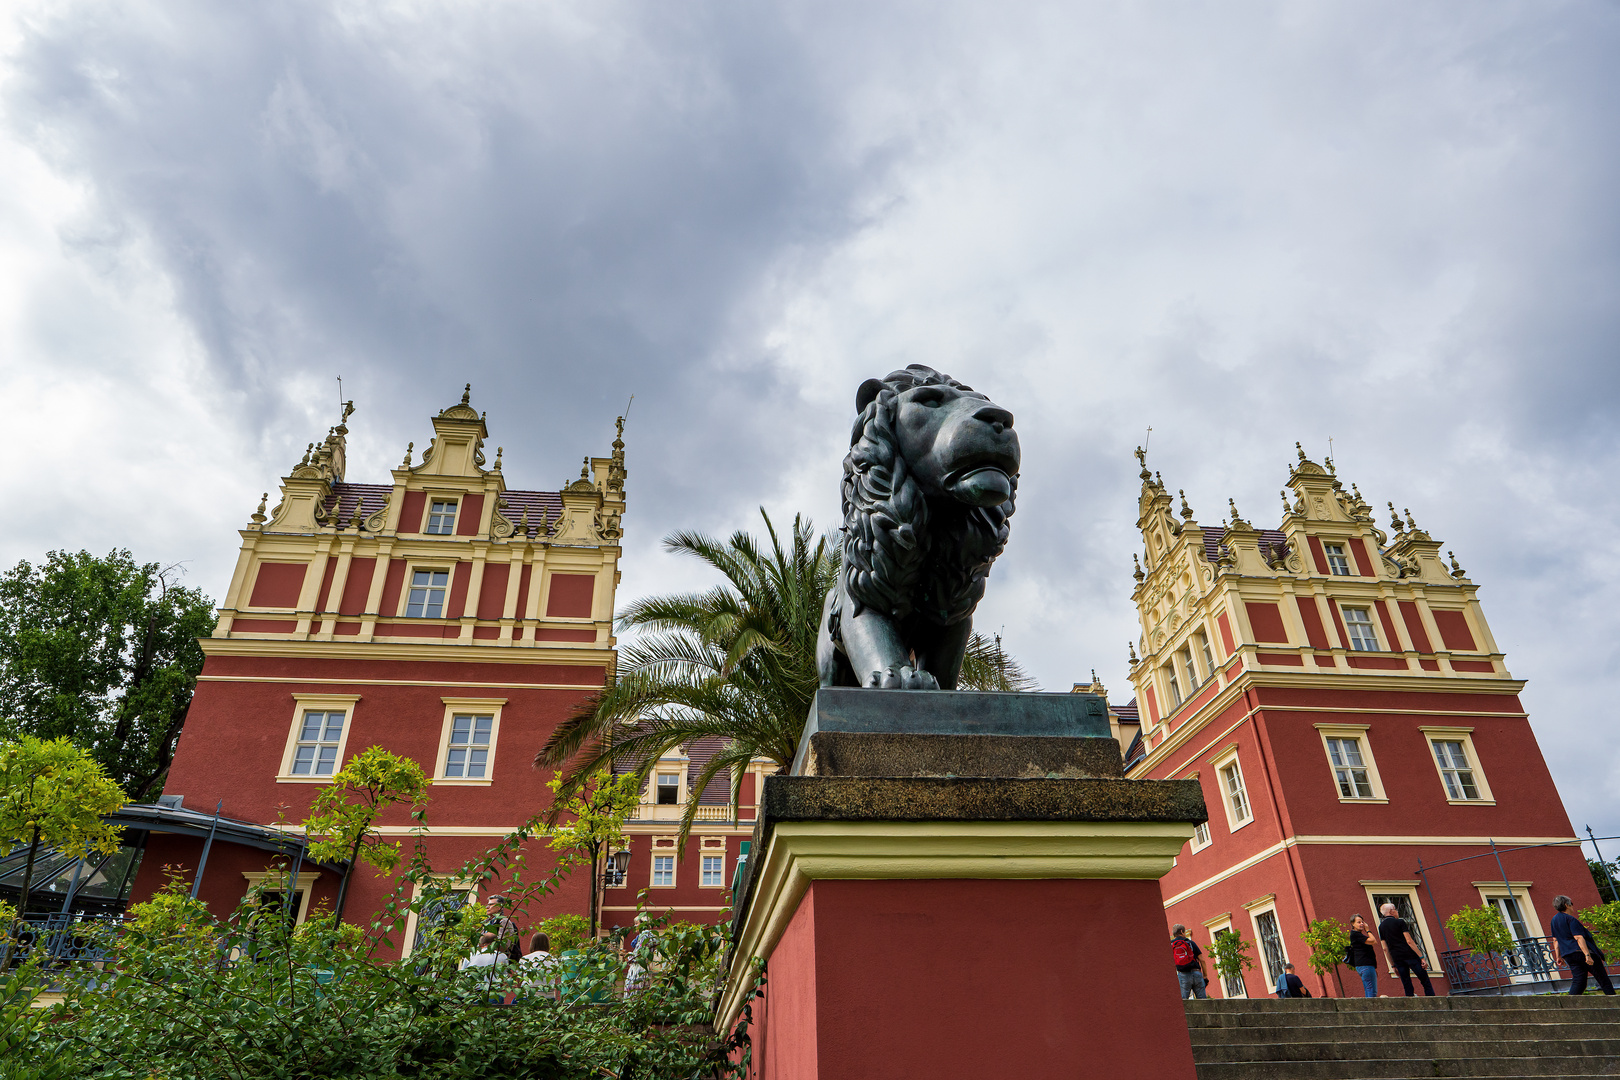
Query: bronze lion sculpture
{"type": "Point", "coordinates": [929, 483]}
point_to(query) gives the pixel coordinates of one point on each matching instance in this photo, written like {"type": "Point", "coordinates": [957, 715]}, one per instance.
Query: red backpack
{"type": "Point", "coordinates": [1182, 951]}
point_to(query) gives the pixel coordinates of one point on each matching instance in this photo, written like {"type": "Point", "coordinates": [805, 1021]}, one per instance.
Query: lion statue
{"type": "Point", "coordinates": [929, 483]}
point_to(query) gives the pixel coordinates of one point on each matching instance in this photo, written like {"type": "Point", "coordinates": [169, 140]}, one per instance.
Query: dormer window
{"type": "Point", "coordinates": [1337, 563]}
{"type": "Point", "coordinates": [669, 789]}
{"type": "Point", "coordinates": [442, 517]}
{"type": "Point", "coordinates": [426, 599]}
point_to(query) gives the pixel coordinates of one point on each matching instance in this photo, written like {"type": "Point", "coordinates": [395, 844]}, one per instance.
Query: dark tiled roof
{"type": "Point", "coordinates": [1127, 712]}
{"type": "Point", "coordinates": [550, 502]}
{"type": "Point", "coordinates": [1135, 752]}
{"type": "Point", "coordinates": [1268, 538]}
{"type": "Point", "coordinates": [370, 498]}
{"type": "Point", "coordinates": [718, 791]}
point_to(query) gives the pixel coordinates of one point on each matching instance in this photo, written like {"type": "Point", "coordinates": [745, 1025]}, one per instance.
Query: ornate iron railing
{"type": "Point", "coordinates": [1530, 960]}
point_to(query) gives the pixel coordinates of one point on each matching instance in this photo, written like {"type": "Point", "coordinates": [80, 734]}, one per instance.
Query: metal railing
{"type": "Point", "coordinates": [64, 939]}
{"type": "Point", "coordinates": [1530, 961]}
{"type": "Point", "coordinates": [672, 812]}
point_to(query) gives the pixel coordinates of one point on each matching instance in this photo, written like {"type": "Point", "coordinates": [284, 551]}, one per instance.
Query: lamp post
{"type": "Point", "coordinates": [613, 872]}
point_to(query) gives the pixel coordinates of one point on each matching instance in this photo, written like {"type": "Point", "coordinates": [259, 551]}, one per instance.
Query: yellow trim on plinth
{"type": "Point", "coordinates": [800, 852]}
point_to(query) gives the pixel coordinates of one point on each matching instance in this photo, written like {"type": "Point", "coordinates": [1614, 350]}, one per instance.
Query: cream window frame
{"type": "Point", "coordinates": [454, 883]}
{"type": "Point", "coordinates": [1195, 844]}
{"type": "Point", "coordinates": [1358, 642]}
{"type": "Point", "coordinates": [711, 847]}
{"type": "Point", "coordinates": [1410, 889]}
{"type": "Point", "coordinates": [316, 703]}
{"type": "Point", "coordinates": [1219, 925]}
{"type": "Point", "coordinates": [445, 566]}
{"type": "Point", "coordinates": [1464, 735]}
{"type": "Point", "coordinates": [1229, 757]}
{"type": "Point", "coordinates": [304, 886]}
{"type": "Point", "coordinates": [1207, 648]}
{"type": "Point", "coordinates": [1359, 732]}
{"type": "Point", "coordinates": [663, 847]}
{"type": "Point", "coordinates": [1495, 890]}
{"type": "Point", "coordinates": [465, 707]}
{"type": "Point", "coordinates": [455, 500]}
{"type": "Point", "coordinates": [1172, 685]}
{"type": "Point", "coordinates": [1256, 908]}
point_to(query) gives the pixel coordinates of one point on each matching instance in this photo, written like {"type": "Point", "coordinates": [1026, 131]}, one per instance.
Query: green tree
{"type": "Point", "coordinates": [103, 651]}
{"type": "Point", "coordinates": [737, 662]}
{"type": "Point", "coordinates": [1480, 929]}
{"type": "Point", "coordinates": [1606, 876]}
{"type": "Point", "coordinates": [1230, 954]}
{"type": "Point", "coordinates": [1328, 939]}
{"type": "Point", "coordinates": [1604, 922]}
{"type": "Point", "coordinates": [344, 813]}
{"type": "Point", "coordinates": [596, 815]}
{"type": "Point", "coordinates": [52, 794]}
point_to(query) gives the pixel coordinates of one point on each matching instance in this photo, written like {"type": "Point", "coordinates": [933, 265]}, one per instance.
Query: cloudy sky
{"type": "Point", "coordinates": [1241, 224]}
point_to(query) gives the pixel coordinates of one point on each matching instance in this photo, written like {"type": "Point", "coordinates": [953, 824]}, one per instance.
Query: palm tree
{"type": "Point", "coordinates": [735, 664]}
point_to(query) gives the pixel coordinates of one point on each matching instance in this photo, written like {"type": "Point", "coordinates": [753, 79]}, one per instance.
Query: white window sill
{"type": "Point", "coordinates": [1373, 800]}
{"type": "Point", "coordinates": [1245, 824]}
{"type": "Point", "coordinates": [456, 781]}
{"type": "Point", "coordinates": [303, 779]}
{"type": "Point", "coordinates": [1472, 802]}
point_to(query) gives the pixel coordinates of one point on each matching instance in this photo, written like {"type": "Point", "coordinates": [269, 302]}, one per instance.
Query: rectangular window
{"type": "Point", "coordinates": [426, 599]}
{"type": "Point", "coordinates": [442, 518]}
{"type": "Point", "coordinates": [1405, 909]}
{"type": "Point", "coordinates": [1175, 687]}
{"type": "Point", "coordinates": [1189, 667]}
{"type": "Point", "coordinates": [714, 870]}
{"type": "Point", "coordinates": [1200, 838]}
{"type": "Point", "coordinates": [1231, 985]}
{"type": "Point", "coordinates": [669, 789]}
{"type": "Point", "coordinates": [1237, 797]}
{"type": "Point", "coordinates": [663, 870]}
{"type": "Point", "coordinates": [467, 757]}
{"type": "Point", "coordinates": [1349, 768]}
{"type": "Point", "coordinates": [1455, 769]}
{"type": "Point", "coordinates": [319, 739]}
{"type": "Point", "coordinates": [1358, 623]}
{"type": "Point", "coordinates": [1271, 945]}
{"type": "Point", "coordinates": [1337, 563]}
{"type": "Point", "coordinates": [1209, 655]}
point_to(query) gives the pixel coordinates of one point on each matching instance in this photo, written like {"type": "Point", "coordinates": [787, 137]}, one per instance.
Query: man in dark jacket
{"type": "Point", "coordinates": [1579, 949]}
{"type": "Point", "coordinates": [1188, 958]}
{"type": "Point", "coordinates": [1403, 951]}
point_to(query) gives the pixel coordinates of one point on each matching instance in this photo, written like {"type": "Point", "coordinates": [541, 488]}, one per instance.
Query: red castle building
{"type": "Point", "coordinates": [442, 616]}
{"type": "Point", "coordinates": [1339, 695]}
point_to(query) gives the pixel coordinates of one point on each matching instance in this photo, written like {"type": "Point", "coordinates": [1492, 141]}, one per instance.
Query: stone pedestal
{"type": "Point", "coordinates": [960, 925]}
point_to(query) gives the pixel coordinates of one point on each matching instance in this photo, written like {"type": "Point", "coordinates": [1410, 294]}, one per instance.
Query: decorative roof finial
{"type": "Point", "coordinates": [1410, 524]}
{"type": "Point", "coordinates": [1158, 481]}
{"type": "Point", "coordinates": [258, 515]}
{"type": "Point", "coordinates": [1131, 646]}
{"type": "Point", "coordinates": [1301, 449]}
{"type": "Point", "coordinates": [466, 395]}
{"type": "Point", "coordinates": [1186, 511]}
{"type": "Point", "coordinates": [1287, 508]}
{"type": "Point", "coordinates": [497, 466]}
{"type": "Point", "coordinates": [1395, 519]}
{"type": "Point", "coordinates": [1141, 458]}
{"type": "Point", "coordinates": [1237, 518]}
{"type": "Point", "coordinates": [408, 448]}
{"type": "Point", "coordinates": [1137, 573]}
{"type": "Point", "coordinates": [585, 470]}
{"type": "Point", "coordinates": [523, 523]}
{"type": "Point", "coordinates": [307, 451]}
{"type": "Point", "coordinates": [1456, 571]}
{"type": "Point", "coordinates": [1094, 676]}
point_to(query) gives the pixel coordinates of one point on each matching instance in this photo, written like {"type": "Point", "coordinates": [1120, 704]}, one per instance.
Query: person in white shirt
{"type": "Point", "coordinates": [540, 967]}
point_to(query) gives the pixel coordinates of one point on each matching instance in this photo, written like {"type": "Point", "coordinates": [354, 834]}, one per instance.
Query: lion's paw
{"type": "Point", "coordinates": [906, 678]}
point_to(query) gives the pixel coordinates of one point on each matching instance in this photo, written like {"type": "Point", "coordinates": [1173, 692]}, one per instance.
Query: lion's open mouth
{"type": "Point", "coordinates": [978, 463]}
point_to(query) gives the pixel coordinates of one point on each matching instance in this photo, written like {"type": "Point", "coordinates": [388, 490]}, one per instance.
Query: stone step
{"type": "Point", "coordinates": [1349, 1019]}
{"type": "Point", "coordinates": [1405, 1031]}
{"type": "Point", "coordinates": [1408, 1068]}
{"type": "Point", "coordinates": [1421, 1002]}
{"type": "Point", "coordinates": [1446, 1049]}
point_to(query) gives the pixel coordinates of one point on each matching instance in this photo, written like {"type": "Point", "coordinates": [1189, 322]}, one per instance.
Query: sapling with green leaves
{"type": "Point", "coordinates": [1328, 939]}
{"type": "Point", "coordinates": [1480, 930]}
{"type": "Point", "coordinates": [1604, 922]}
{"type": "Point", "coordinates": [345, 814]}
{"type": "Point", "coordinates": [1230, 954]}
{"type": "Point", "coordinates": [595, 813]}
{"type": "Point", "coordinates": [52, 794]}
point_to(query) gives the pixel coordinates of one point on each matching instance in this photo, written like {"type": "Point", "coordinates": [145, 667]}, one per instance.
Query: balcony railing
{"type": "Point", "coordinates": [1529, 962]}
{"type": "Point", "coordinates": [672, 812]}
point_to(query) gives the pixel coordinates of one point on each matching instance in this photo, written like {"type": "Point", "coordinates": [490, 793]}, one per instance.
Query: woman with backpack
{"type": "Point", "coordinates": [1188, 958]}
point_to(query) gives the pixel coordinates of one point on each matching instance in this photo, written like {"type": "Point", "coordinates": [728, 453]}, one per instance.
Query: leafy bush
{"type": "Point", "coordinates": [1604, 922]}
{"type": "Point", "coordinates": [1480, 930]}
{"type": "Point", "coordinates": [1329, 939]}
{"type": "Point", "coordinates": [566, 931]}
{"type": "Point", "coordinates": [1230, 954]}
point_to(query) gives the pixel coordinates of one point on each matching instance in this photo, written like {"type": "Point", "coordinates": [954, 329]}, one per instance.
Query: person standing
{"type": "Point", "coordinates": [1403, 952]}
{"type": "Point", "coordinates": [1579, 949]}
{"type": "Point", "coordinates": [1360, 955]}
{"type": "Point", "coordinates": [1188, 958]}
{"type": "Point", "coordinates": [507, 938]}
{"type": "Point", "coordinates": [540, 967]}
{"type": "Point", "coordinates": [1290, 985]}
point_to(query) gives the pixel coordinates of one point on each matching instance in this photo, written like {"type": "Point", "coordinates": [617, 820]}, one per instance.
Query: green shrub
{"type": "Point", "coordinates": [1480, 930]}
{"type": "Point", "coordinates": [1230, 954]}
{"type": "Point", "coordinates": [566, 932]}
{"type": "Point", "coordinates": [1604, 922]}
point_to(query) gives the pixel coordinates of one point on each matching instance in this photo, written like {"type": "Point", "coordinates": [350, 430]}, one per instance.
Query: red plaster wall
{"type": "Point", "coordinates": [1318, 554]}
{"type": "Point", "coordinates": [460, 579]}
{"type": "Point", "coordinates": [326, 584]}
{"type": "Point", "coordinates": [523, 590]}
{"type": "Point", "coordinates": [357, 587]}
{"type": "Point", "coordinates": [1453, 627]}
{"type": "Point", "coordinates": [1311, 616]}
{"type": "Point", "coordinates": [1392, 640]}
{"type": "Point", "coordinates": [1364, 564]}
{"type": "Point", "coordinates": [492, 595]}
{"type": "Point", "coordinates": [1414, 627]}
{"type": "Point", "coordinates": [1226, 632]}
{"type": "Point", "coordinates": [470, 516]}
{"type": "Point", "coordinates": [389, 605]}
{"type": "Point", "coordinates": [413, 512]}
{"type": "Point", "coordinates": [570, 596]}
{"type": "Point", "coordinates": [785, 1035]}
{"type": "Point", "coordinates": [971, 993]}
{"type": "Point", "coordinates": [278, 585]}
{"type": "Point", "coordinates": [1266, 622]}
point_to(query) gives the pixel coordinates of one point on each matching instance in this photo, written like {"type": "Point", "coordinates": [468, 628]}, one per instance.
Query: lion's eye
{"type": "Point", "coordinates": [932, 399]}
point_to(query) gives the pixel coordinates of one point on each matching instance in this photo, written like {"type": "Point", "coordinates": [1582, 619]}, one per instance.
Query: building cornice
{"type": "Point", "coordinates": [586, 654]}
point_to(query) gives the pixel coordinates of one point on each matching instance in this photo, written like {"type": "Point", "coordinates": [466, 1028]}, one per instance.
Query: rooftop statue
{"type": "Point", "coordinates": [929, 483]}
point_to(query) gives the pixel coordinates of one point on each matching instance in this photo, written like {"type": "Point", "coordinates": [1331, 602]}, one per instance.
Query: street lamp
{"type": "Point", "coordinates": [618, 866]}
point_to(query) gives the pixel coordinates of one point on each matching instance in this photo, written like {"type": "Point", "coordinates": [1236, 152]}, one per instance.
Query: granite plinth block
{"type": "Point", "coordinates": [854, 710]}
{"type": "Point", "coordinates": [851, 753]}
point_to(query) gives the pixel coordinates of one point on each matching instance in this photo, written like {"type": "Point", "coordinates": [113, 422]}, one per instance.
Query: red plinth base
{"type": "Point", "coordinates": [972, 978]}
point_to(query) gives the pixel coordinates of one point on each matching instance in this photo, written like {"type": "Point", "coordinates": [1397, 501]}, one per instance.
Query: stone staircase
{"type": "Point", "coordinates": [1405, 1038]}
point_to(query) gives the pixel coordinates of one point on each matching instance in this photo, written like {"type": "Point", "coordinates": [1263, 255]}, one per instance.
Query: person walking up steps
{"type": "Point", "coordinates": [1360, 955]}
{"type": "Point", "coordinates": [1188, 958]}
{"type": "Point", "coordinates": [1579, 950]}
{"type": "Point", "coordinates": [1403, 951]}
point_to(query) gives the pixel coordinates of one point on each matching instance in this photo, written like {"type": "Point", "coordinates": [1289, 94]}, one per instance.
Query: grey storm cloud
{"type": "Point", "coordinates": [1391, 225]}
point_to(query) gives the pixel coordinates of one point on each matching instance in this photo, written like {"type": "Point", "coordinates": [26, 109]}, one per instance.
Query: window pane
{"type": "Point", "coordinates": [441, 578]}
{"type": "Point", "coordinates": [1271, 945]}
{"type": "Point", "coordinates": [483, 725]}
{"type": "Point", "coordinates": [334, 726]}
{"type": "Point", "coordinates": [302, 763]}
{"type": "Point", "coordinates": [476, 762]}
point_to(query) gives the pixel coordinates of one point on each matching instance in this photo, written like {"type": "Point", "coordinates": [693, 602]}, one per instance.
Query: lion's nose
{"type": "Point", "coordinates": [995, 416]}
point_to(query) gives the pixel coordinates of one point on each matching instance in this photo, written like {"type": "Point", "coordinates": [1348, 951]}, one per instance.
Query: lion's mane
{"type": "Point", "coordinates": [903, 556]}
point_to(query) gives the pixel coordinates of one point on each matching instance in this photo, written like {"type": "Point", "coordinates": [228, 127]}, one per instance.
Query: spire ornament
{"type": "Point", "coordinates": [1141, 457]}
{"type": "Point", "coordinates": [408, 448]}
{"type": "Point", "coordinates": [1395, 519]}
{"type": "Point", "coordinates": [1131, 647]}
{"type": "Point", "coordinates": [499, 450]}
{"type": "Point", "coordinates": [1186, 511]}
{"type": "Point", "coordinates": [258, 515]}
{"type": "Point", "coordinates": [1301, 450]}
{"type": "Point", "coordinates": [1137, 573]}
{"type": "Point", "coordinates": [1456, 571]}
{"type": "Point", "coordinates": [1410, 524]}
{"type": "Point", "coordinates": [466, 395]}
{"type": "Point", "coordinates": [1287, 509]}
